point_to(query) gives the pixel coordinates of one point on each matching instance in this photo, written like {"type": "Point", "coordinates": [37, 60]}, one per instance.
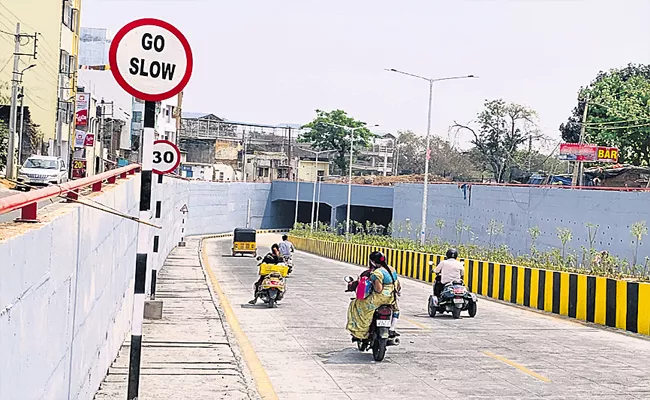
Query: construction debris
{"type": "Point", "coordinates": [384, 180]}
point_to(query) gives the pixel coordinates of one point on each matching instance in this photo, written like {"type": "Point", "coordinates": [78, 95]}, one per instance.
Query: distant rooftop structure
{"type": "Point", "coordinates": [202, 125]}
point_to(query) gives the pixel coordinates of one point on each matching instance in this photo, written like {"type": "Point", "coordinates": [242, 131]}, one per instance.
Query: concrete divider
{"type": "Point", "coordinates": [616, 303]}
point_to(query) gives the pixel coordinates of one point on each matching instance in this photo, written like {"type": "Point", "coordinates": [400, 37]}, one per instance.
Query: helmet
{"type": "Point", "coordinates": [377, 258]}
{"type": "Point", "coordinates": [451, 253]}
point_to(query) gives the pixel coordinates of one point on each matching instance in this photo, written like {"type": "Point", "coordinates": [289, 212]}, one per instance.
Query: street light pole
{"type": "Point", "coordinates": [428, 141]}
{"type": "Point", "coordinates": [313, 199]}
{"type": "Point", "coordinates": [295, 221]}
{"type": "Point", "coordinates": [347, 218]}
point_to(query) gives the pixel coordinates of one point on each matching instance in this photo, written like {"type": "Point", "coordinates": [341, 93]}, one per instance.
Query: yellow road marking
{"type": "Point", "coordinates": [419, 325]}
{"type": "Point", "coordinates": [262, 381]}
{"type": "Point", "coordinates": [518, 366]}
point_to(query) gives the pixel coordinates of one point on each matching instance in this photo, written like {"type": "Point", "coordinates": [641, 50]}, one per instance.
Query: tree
{"type": "Point", "coordinates": [411, 149]}
{"type": "Point", "coordinates": [618, 113]}
{"type": "Point", "coordinates": [445, 161]}
{"type": "Point", "coordinates": [503, 127]}
{"type": "Point", "coordinates": [323, 134]}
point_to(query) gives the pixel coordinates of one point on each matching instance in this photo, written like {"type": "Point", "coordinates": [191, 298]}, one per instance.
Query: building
{"type": "Point", "coordinates": [51, 29]}
{"type": "Point", "coordinates": [377, 158]}
{"type": "Point", "coordinates": [308, 169]}
{"type": "Point", "coordinates": [266, 166]}
{"type": "Point", "coordinates": [94, 46]}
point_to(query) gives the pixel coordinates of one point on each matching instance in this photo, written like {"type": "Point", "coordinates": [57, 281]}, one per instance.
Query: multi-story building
{"type": "Point", "coordinates": [51, 29]}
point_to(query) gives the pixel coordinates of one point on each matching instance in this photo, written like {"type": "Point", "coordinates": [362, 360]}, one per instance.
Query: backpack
{"type": "Point", "coordinates": [363, 288]}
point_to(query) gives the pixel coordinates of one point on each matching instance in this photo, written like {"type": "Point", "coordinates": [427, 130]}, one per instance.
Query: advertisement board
{"type": "Point", "coordinates": [81, 112]}
{"type": "Point", "coordinates": [587, 153]}
{"type": "Point", "coordinates": [78, 168]}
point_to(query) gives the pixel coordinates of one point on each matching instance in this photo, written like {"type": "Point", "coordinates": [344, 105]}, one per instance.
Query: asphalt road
{"type": "Point", "coordinates": [505, 352]}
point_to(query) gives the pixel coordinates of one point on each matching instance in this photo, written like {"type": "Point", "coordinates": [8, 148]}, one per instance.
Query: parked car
{"type": "Point", "coordinates": [43, 171]}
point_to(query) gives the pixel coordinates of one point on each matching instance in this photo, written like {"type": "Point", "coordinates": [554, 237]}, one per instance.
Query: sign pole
{"type": "Point", "coordinates": [142, 250]}
{"type": "Point", "coordinates": [156, 238]}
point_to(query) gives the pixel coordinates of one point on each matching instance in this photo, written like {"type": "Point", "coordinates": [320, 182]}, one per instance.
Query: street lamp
{"type": "Point", "coordinates": [313, 200]}
{"type": "Point", "coordinates": [426, 162]}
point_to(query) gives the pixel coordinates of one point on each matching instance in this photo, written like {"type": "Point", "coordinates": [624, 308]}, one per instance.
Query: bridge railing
{"type": "Point", "coordinates": [28, 202]}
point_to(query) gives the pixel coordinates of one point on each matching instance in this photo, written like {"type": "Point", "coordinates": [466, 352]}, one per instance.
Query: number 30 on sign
{"type": "Point", "coordinates": [166, 157]}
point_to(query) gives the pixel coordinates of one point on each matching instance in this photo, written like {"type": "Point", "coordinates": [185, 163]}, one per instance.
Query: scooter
{"type": "Point", "coordinates": [454, 298]}
{"type": "Point", "coordinates": [273, 287]}
{"type": "Point", "coordinates": [378, 333]}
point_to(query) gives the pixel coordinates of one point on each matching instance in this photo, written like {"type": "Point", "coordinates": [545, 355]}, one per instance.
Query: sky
{"type": "Point", "coordinates": [277, 61]}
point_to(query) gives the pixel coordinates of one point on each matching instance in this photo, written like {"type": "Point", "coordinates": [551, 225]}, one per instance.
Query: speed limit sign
{"type": "Point", "coordinates": [166, 157]}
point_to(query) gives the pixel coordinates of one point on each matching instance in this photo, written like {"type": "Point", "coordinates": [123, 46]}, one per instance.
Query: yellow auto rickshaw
{"type": "Point", "coordinates": [244, 242]}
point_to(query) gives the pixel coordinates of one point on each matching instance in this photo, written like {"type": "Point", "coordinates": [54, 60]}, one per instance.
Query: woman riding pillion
{"type": "Point", "coordinates": [385, 290]}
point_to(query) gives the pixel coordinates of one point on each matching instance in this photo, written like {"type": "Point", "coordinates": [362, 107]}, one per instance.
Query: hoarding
{"type": "Point", "coordinates": [588, 153]}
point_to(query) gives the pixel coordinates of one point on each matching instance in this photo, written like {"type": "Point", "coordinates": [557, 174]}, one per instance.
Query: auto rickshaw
{"type": "Point", "coordinates": [244, 242]}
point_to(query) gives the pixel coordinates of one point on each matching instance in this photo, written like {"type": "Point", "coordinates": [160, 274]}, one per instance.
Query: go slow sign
{"type": "Point", "coordinates": [151, 59]}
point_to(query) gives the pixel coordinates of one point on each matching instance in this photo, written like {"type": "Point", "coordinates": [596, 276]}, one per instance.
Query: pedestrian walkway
{"type": "Point", "coordinates": [188, 354]}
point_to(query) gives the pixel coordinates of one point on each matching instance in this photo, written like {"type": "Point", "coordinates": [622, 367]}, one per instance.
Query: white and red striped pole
{"type": "Point", "coordinates": [144, 240]}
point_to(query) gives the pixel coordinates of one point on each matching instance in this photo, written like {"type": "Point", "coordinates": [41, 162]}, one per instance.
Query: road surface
{"type": "Point", "coordinates": [506, 352]}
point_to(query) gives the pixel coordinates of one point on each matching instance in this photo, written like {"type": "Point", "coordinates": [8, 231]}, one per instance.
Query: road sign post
{"type": "Point", "coordinates": [151, 60]}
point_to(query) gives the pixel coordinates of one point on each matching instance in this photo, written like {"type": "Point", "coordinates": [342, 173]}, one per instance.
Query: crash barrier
{"type": "Point", "coordinates": [611, 302]}
{"type": "Point", "coordinates": [28, 202]}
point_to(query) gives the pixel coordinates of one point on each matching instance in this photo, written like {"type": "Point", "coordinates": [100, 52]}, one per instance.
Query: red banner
{"type": "Point", "coordinates": [81, 112]}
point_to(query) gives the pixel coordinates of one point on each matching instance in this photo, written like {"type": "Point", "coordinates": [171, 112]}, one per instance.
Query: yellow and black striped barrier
{"type": "Point", "coordinates": [258, 231]}
{"type": "Point", "coordinates": [616, 303]}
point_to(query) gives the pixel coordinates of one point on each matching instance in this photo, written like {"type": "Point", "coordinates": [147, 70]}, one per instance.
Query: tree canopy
{"type": "Point", "coordinates": [445, 161]}
{"type": "Point", "coordinates": [502, 128]}
{"type": "Point", "coordinates": [618, 113]}
{"type": "Point", "coordinates": [324, 134]}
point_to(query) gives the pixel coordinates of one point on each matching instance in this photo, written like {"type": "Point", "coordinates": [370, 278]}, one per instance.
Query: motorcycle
{"type": "Point", "coordinates": [273, 287]}
{"type": "Point", "coordinates": [454, 298]}
{"type": "Point", "coordinates": [378, 333]}
{"type": "Point", "coordinates": [288, 260]}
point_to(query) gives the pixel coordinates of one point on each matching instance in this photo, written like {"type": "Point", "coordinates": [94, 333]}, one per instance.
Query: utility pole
{"type": "Point", "coordinates": [577, 169]}
{"type": "Point", "coordinates": [14, 103]}
{"type": "Point", "coordinates": [22, 124]}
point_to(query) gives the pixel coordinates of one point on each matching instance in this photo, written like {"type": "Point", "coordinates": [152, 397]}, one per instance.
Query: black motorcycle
{"type": "Point", "coordinates": [454, 298]}
{"type": "Point", "coordinates": [378, 334]}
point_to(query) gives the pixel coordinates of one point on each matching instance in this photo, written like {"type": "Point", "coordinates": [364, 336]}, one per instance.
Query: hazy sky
{"type": "Point", "coordinates": [275, 61]}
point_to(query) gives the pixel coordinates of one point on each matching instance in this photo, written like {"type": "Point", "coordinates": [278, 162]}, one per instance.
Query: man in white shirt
{"type": "Point", "coordinates": [286, 247]}
{"type": "Point", "coordinates": [449, 270]}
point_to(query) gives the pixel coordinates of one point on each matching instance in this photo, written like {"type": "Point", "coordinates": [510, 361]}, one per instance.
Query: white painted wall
{"type": "Point", "coordinates": [66, 285]}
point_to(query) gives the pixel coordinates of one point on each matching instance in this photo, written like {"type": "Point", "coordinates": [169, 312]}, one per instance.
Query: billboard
{"type": "Point", "coordinates": [587, 153]}
{"type": "Point", "coordinates": [81, 112]}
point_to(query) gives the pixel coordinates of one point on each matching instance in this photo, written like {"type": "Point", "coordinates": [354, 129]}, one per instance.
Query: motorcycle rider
{"type": "Point", "coordinates": [273, 257]}
{"type": "Point", "coordinates": [449, 270]}
{"type": "Point", "coordinates": [286, 247]}
{"type": "Point", "coordinates": [385, 289]}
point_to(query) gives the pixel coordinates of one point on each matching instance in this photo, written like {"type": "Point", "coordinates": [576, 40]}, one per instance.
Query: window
{"type": "Point", "coordinates": [321, 173]}
{"type": "Point", "coordinates": [266, 172]}
{"type": "Point", "coordinates": [68, 15]}
{"type": "Point", "coordinates": [220, 176]}
{"type": "Point", "coordinates": [137, 116]}
{"type": "Point", "coordinates": [64, 62]}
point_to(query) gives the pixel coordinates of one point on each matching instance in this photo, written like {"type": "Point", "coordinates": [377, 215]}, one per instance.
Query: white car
{"type": "Point", "coordinates": [43, 171]}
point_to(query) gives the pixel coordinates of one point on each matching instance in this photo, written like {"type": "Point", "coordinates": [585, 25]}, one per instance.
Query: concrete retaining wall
{"type": "Point", "coordinates": [615, 303]}
{"type": "Point", "coordinates": [65, 293]}
{"type": "Point", "coordinates": [66, 285]}
{"type": "Point", "coordinates": [519, 208]}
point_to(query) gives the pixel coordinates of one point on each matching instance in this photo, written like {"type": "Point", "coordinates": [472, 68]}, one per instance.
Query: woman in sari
{"type": "Point", "coordinates": [384, 291]}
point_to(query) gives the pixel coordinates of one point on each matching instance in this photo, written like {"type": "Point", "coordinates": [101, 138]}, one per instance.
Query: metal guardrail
{"type": "Point", "coordinates": [28, 202]}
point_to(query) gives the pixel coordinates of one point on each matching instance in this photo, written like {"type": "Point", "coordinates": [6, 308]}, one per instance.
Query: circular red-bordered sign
{"type": "Point", "coordinates": [166, 157]}
{"type": "Point", "coordinates": [151, 59]}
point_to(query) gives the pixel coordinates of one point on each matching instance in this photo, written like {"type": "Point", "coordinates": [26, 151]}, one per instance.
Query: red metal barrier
{"type": "Point", "coordinates": [28, 202]}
